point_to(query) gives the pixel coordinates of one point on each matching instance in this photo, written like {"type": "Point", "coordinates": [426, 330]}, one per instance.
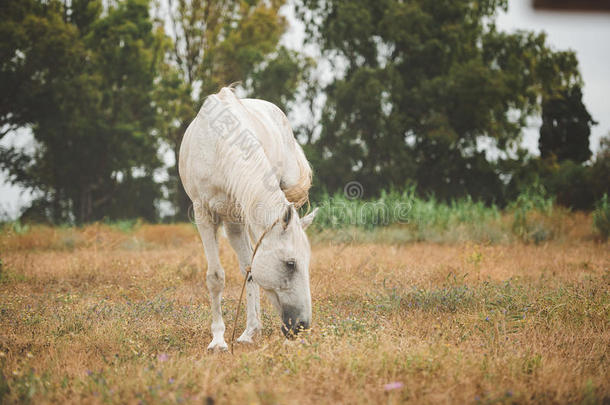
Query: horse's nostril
{"type": "Point", "coordinates": [288, 332]}
{"type": "Point", "coordinates": [291, 331]}
{"type": "Point", "coordinates": [291, 321]}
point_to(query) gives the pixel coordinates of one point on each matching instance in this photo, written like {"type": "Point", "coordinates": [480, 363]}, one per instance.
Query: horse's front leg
{"type": "Point", "coordinates": [239, 241]}
{"type": "Point", "coordinates": [215, 280]}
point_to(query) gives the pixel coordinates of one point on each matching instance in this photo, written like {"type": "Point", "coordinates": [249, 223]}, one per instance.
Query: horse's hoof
{"type": "Point", "coordinates": [245, 339]}
{"type": "Point", "coordinates": [248, 335]}
{"type": "Point", "coordinates": [218, 346]}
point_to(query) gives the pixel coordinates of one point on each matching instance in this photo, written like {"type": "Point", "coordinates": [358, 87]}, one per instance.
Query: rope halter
{"type": "Point", "coordinates": [247, 277]}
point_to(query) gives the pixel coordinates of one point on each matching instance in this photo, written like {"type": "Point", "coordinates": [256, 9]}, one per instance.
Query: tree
{"type": "Point", "coordinates": [84, 81]}
{"type": "Point", "coordinates": [566, 126]}
{"type": "Point", "coordinates": [39, 52]}
{"type": "Point", "coordinates": [422, 83]}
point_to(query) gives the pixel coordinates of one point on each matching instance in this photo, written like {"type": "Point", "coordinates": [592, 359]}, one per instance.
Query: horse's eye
{"type": "Point", "coordinates": [291, 265]}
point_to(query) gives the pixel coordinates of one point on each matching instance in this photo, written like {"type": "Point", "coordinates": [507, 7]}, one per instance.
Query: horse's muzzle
{"type": "Point", "coordinates": [292, 324]}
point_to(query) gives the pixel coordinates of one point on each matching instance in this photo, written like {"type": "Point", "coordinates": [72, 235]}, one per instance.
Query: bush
{"type": "Point", "coordinates": [532, 211]}
{"type": "Point", "coordinates": [571, 183]}
{"type": "Point", "coordinates": [601, 217]}
{"type": "Point", "coordinates": [403, 217]}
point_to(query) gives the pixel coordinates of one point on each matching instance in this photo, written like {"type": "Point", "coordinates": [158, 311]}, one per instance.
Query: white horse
{"type": "Point", "coordinates": [242, 167]}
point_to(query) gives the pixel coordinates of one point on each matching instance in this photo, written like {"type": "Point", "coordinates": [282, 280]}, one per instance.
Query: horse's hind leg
{"type": "Point", "coordinates": [215, 279]}
{"type": "Point", "coordinates": [239, 241]}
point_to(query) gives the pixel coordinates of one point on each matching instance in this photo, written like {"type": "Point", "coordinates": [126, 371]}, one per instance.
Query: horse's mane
{"type": "Point", "coordinates": [245, 177]}
{"type": "Point", "coordinates": [298, 193]}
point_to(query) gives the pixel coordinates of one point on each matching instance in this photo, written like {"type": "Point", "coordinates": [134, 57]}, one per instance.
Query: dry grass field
{"type": "Point", "coordinates": [100, 315]}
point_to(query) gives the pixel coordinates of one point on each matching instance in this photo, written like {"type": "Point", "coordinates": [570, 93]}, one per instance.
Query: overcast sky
{"type": "Point", "coordinates": [588, 34]}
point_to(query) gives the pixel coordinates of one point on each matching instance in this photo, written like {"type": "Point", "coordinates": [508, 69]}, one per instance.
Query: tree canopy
{"type": "Point", "coordinates": [83, 81]}
{"type": "Point", "coordinates": [422, 84]}
{"type": "Point", "coordinates": [566, 126]}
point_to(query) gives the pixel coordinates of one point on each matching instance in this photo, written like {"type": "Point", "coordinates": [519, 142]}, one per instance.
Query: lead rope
{"type": "Point", "coordinates": [247, 276]}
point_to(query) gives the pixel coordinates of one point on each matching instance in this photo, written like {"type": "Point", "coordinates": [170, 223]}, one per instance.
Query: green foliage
{"type": "Point", "coordinates": [278, 79]}
{"type": "Point", "coordinates": [601, 217]}
{"type": "Point", "coordinates": [600, 169]}
{"type": "Point", "coordinates": [399, 217]}
{"type": "Point", "coordinates": [126, 225]}
{"type": "Point", "coordinates": [530, 211]}
{"type": "Point", "coordinates": [403, 216]}
{"type": "Point", "coordinates": [576, 186]}
{"type": "Point", "coordinates": [16, 227]}
{"type": "Point", "coordinates": [85, 83]}
{"type": "Point", "coordinates": [571, 184]}
{"type": "Point", "coordinates": [566, 126]}
{"type": "Point", "coordinates": [396, 207]}
{"type": "Point", "coordinates": [424, 83]}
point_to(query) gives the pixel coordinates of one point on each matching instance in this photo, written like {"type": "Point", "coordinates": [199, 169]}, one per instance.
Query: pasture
{"type": "Point", "coordinates": [120, 314]}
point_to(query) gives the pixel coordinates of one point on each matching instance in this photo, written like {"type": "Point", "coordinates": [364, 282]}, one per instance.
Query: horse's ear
{"type": "Point", "coordinates": [287, 216]}
{"type": "Point", "coordinates": [308, 219]}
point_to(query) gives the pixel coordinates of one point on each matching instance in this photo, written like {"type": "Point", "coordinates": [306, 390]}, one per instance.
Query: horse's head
{"type": "Point", "coordinates": [281, 268]}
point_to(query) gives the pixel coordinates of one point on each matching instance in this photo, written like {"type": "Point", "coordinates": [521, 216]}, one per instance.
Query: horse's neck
{"type": "Point", "coordinates": [254, 187]}
{"type": "Point", "coordinates": [268, 208]}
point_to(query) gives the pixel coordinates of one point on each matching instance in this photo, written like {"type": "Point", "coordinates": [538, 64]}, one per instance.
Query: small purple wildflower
{"type": "Point", "coordinates": [396, 385]}
{"type": "Point", "coordinates": [171, 380]}
{"type": "Point", "coordinates": [162, 357]}
{"type": "Point", "coordinates": [89, 372]}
